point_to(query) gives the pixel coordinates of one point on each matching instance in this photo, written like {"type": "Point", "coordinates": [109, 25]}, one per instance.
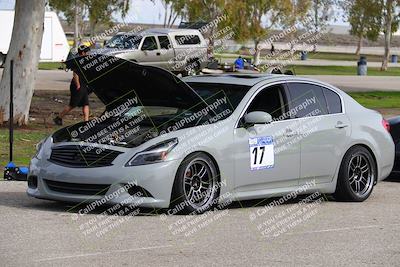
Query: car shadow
{"type": "Point", "coordinates": [21, 201]}
{"type": "Point", "coordinates": [267, 201]}
{"type": "Point", "coordinates": [393, 178]}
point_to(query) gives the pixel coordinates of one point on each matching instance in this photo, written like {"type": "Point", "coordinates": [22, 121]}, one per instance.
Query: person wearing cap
{"type": "Point", "coordinates": [79, 93]}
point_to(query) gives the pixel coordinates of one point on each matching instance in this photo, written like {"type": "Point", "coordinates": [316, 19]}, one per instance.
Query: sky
{"type": "Point", "coordinates": [141, 11]}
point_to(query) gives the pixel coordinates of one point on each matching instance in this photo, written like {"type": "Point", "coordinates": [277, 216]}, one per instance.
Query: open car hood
{"type": "Point", "coordinates": [142, 102]}
{"type": "Point", "coordinates": [114, 80]}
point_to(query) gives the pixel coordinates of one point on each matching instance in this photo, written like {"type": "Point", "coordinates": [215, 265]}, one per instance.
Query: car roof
{"type": "Point", "coordinates": [253, 79]}
{"type": "Point", "coordinates": [162, 31]}
{"type": "Point", "coordinates": [240, 79]}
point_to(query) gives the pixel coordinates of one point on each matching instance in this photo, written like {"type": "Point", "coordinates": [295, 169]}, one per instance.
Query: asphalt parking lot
{"type": "Point", "coordinates": [44, 233]}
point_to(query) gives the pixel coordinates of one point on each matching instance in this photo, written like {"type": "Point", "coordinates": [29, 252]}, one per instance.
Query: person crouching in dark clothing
{"type": "Point", "coordinates": [79, 93]}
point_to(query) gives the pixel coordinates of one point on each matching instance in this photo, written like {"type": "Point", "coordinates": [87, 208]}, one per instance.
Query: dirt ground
{"type": "Point", "coordinates": [47, 104]}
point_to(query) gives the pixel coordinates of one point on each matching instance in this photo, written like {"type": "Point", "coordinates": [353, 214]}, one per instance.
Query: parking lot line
{"type": "Point", "coordinates": [345, 229]}
{"type": "Point", "coordinates": [101, 253]}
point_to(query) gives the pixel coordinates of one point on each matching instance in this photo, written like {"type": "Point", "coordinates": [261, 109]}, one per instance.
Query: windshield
{"type": "Point", "coordinates": [124, 41]}
{"type": "Point", "coordinates": [151, 111]}
{"type": "Point", "coordinates": [163, 116]}
{"type": "Point", "coordinates": [218, 103]}
{"type": "Point", "coordinates": [211, 91]}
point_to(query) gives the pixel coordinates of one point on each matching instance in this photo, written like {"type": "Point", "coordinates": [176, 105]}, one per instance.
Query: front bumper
{"type": "Point", "coordinates": [156, 178]}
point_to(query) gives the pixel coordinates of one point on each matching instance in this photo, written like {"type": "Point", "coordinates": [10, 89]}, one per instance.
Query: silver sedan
{"type": "Point", "coordinates": [192, 143]}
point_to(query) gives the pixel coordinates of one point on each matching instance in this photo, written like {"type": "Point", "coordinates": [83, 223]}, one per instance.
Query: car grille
{"type": "Point", "coordinates": [79, 189]}
{"type": "Point", "coordinates": [78, 157]}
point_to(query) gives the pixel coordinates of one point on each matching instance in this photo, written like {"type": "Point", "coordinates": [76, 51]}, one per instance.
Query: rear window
{"type": "Point", "coordinates": [187, 39]}
{"type": "Point", "coordinates": [333, 101]}
{"type": "Point", "coordinates": [307, 100]}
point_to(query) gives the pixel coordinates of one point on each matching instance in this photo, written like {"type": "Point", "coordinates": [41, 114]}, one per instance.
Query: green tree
{"type": "Point", "coordinates": [97, 11]}
{"type": "Point", "coordinates": [365, 20]}
{"type": "Point", "coordinates": [101, 11]}
{"type": "Point", "coordinates": [173, 9]}
{"type": "Point", "coordinates": [206, 11]}
{"type": "Point", "coordinates": [297, 17]}
{"type": "Point", "coordinates": [321, 12]}
{"type": "Point", "coordinates": [73, 11]}
{"type": "Point", "coordinates": [390, 25]}
{"type": "Point", "coordinates": [253, 19]}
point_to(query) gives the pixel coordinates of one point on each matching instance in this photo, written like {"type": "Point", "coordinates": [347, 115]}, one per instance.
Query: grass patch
{"type": "Point", "coordinates": [49, 65]}
{"type": "Point", "coordinates": [24, 145]}
{"type": "Point", "coordinates": [342, 56]}
{"type": "Point", "coordinates": [316, 55]}
{"type": "Point", "coordinates": [342, 70]}
{"type": "Point", "coordinates": [377, 100]}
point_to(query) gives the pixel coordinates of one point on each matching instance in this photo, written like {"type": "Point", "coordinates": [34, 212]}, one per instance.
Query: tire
{"type": "Point", "coordinates": [357, 175]}
{"type": "Point", "coordinates": [196, 187]}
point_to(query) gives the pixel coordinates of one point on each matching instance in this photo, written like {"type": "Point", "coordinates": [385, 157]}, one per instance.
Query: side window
{"type": "Point", "coordinates": [149, 43]}
{"type": "Point", "coordinates": [306, 100]}
{"type": "Point", "coordinates": [164, 42]}
{"type": "Point", "coordinates": [333, 101]}
{"type": "Point", "coordinates": [271, 100]}
{"type": "Point", "coordinates": [187, 39]}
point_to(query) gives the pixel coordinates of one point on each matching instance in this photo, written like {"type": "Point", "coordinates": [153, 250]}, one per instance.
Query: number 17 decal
{"type": "Point", "coordinates": [261, 153]}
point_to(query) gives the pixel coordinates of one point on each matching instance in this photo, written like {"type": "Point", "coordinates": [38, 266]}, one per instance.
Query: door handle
{"type": "Point", "coordinates": [158, 53]}
{"type": "Point", "coordinates": [341, 125]}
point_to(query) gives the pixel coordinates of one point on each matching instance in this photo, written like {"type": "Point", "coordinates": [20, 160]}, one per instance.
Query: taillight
{"type": "Point", "coordinates": [386, 125]}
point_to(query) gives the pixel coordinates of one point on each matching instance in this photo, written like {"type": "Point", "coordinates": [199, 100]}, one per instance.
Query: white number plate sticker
{"type": "Point", "coordinates": [261, 153]}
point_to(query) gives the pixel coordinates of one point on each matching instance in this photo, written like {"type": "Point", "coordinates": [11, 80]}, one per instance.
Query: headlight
{"type": "Point", "coordinates": [153, 154]}
{"type": "Point", "coordinates": [39, 148]}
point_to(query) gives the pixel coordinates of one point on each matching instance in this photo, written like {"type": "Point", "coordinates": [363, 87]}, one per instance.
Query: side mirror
{"type": "Point", "coordinates": [257, 117]}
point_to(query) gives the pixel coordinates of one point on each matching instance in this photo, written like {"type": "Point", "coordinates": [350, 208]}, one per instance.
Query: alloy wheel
{"type": "Point", "coordinates": [199, 183]}
{"type": "Point", "coordinates": [361, 175]}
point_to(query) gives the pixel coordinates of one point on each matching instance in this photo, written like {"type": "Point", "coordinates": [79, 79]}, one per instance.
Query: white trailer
{"type": "Point", "coordinates": [55, 46]}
